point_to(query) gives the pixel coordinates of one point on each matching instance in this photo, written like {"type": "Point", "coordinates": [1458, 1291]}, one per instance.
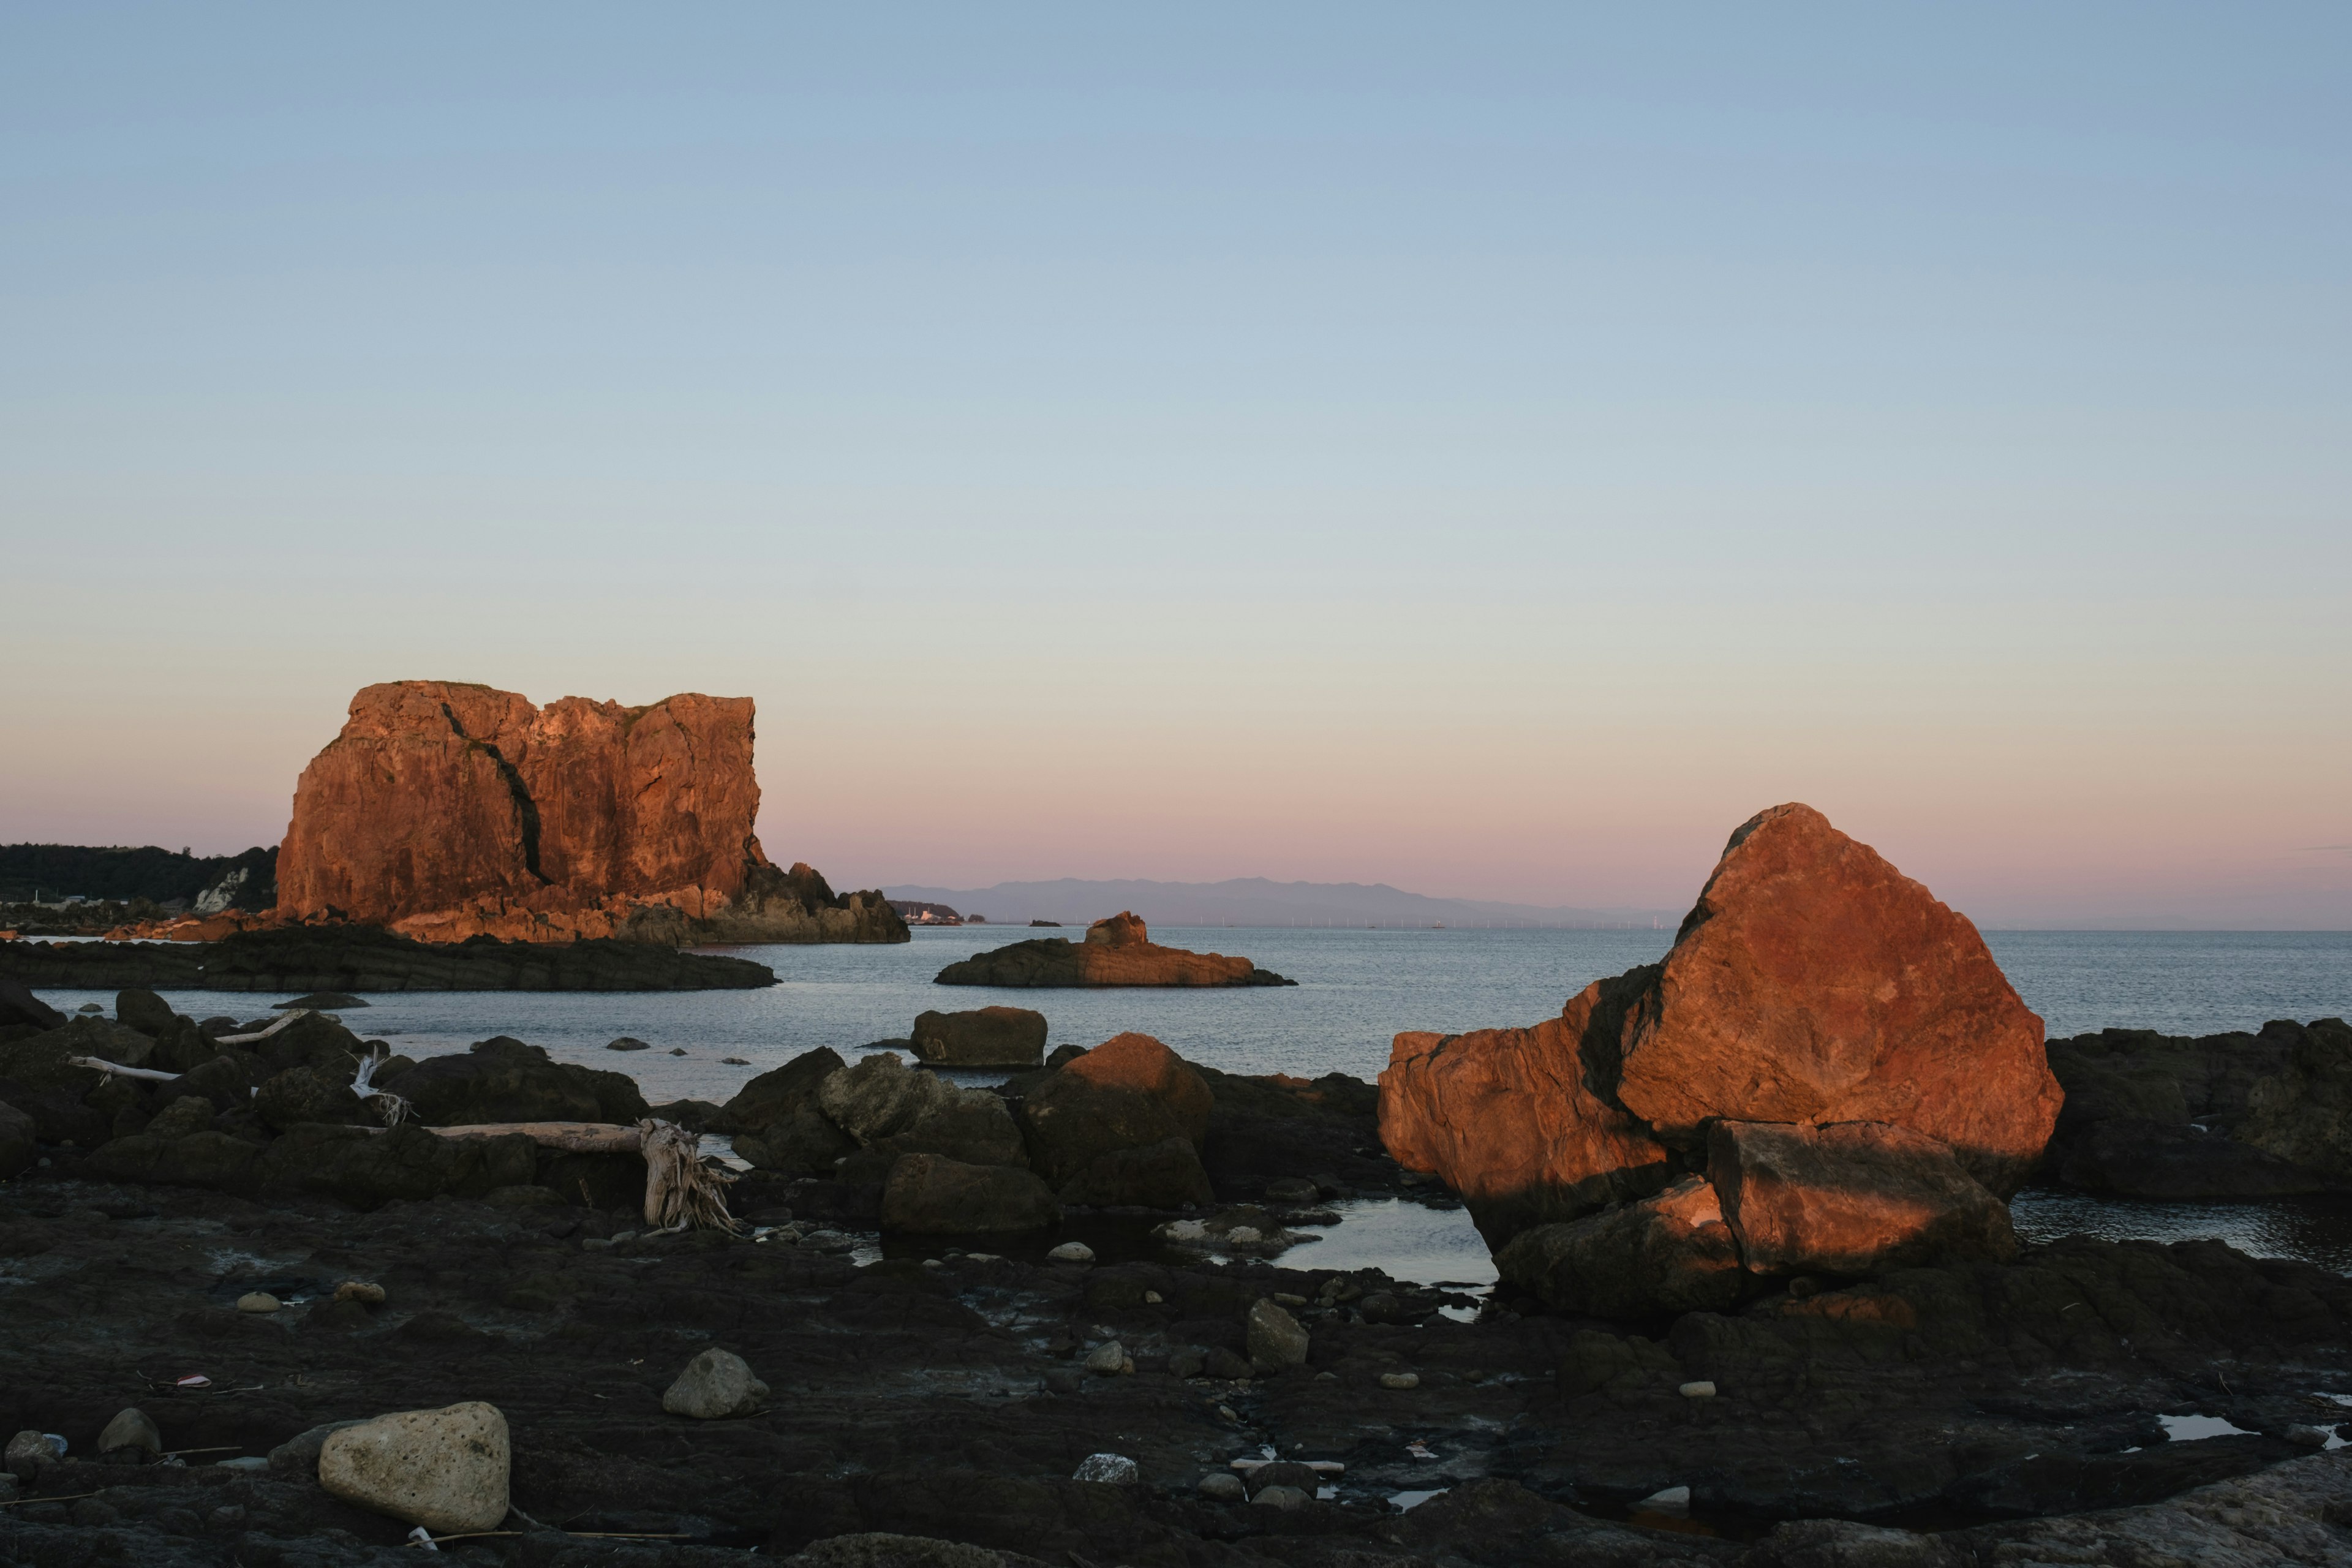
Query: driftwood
{"type": "Point", "coordinates": [681, 1192]}
{"type": "Point", "coordinates": [147, 1075]}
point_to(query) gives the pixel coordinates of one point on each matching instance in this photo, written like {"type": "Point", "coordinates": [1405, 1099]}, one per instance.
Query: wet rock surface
{"type": "Point", "coordinates": [1996, 1400]}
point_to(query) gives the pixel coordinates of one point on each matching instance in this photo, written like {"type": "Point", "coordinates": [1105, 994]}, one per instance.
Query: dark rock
{"type": "Point", "coordinates": [2303, 1114]}
{"type": "Point", "coordinates": [144, 1011]}
{"type": "Point", "coordinates": [312, 1092]}
{"type": "Point", "coordinates": [805, 1145]}
{"type": "Point", "coordinates": [323, 1002]}
{"type": "Point", "coordinates": [18, 1133]}
{"type": "Point", "coordinates": [1670, 1253]}
{"type": "Point", "coordinates": [503, 1079]}
{"type": "Point", "coordinates": [1164, 1175]}
{"type": "Point", "coordinates": [19, 1005]}
{"type": "Point", "coordinates": [1130, 1094]}
{"type": "Point", "coordinates": [2154, 1159]}
{"type": "Point", "coordinates": [933, 1195]}
{"type": "Point", "coordinates": [1851, 1197]}
{"type": "Point", "coordinates": [777, 1094]}
{"type": "Point", "coordinates": [366, 958]}
{"type": "Point", "coordinates": [1116, 951]}
{"type": "Point", "coordinates": [984, 1037]}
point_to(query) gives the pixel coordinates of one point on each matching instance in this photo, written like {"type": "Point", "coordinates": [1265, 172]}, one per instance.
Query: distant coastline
{"type": "Point", "coordinates": [1258, 901]}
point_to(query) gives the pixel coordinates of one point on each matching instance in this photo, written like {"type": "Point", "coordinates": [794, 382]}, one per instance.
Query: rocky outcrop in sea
{"type": "Point", "coordinates": [446, 810]}
{"type": "Point", "coordinates": [1827, 1075]}
{"type": "Point", "coordinates": [1117, 951]}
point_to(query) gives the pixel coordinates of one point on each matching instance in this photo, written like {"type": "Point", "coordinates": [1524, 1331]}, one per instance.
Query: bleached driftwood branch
{"type": "Point", "coordinates": [147, 1075]}
{"type": "Point", "coordinates": [681, 1192]}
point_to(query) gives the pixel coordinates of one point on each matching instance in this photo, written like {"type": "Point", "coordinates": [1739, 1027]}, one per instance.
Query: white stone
{"type": "Point", "coordinates": [1107, 1360]}
{"type": "Point", "coordinates": [256, 1301]}
{"type": "Point", "coordinates": [1276, 1340]}
{"type": "Point", "coordinates": [444, 1469]}
{"type": "Point", "coordinates": [1699, 1390]}
{"type": "Point", "coordinates": [1071, 1252]}
{"type": "Point", "coordinates": [1399, 1380]}
{"type": "Point", "coordinates": [130, 1429]}
{"type": "Point", "coordinates": [715, 1386]}
{"type": "Point", "coordinates": [1116, 1469]}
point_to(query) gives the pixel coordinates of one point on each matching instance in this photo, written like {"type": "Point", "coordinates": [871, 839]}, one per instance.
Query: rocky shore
{"type": "Point", "coordinates": [272, 1294]}
{"type": "Point", "coordinates": [367, 958]}
{"type": "Point", "coordinates": [1117, 951]}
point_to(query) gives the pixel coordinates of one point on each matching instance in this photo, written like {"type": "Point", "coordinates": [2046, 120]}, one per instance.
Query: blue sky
{"type": "Point", "coordinates": [1491, 450]}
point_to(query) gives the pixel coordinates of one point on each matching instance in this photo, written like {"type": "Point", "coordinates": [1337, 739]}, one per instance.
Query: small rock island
{"type": "Point", "coordinates": [1117, 951]}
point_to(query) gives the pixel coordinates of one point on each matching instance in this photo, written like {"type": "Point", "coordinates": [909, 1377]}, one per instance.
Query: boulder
{"type": "Point", "coordinates": [30, 1452]}
{"type": "Point", "coordinates": [1127, 1095]}
{"type": "Point", "coordinates": [185, 1115]}
{"type": "Point", "coordinates": [2176, 1161]}
{"type": "Point", "coordinates": [19, 1005]}
{"type": "Point", "coordinates": [1116, 951]}
{"type": "Point", "coordinates": [444, 1469]}
{"type": "Point", "coordinates": [930, 1194]}
{"type": "Point", "coordinates": [19, 1145]}
{"type": "Point", "coordinates": [1275, 1338]}
{"type": "Point", "coordinates": [227, 1080]}
{"type": "Point", "coordinates": [1508, 1119]}
{"type": "Point", "coordinates": [1813, 982]}
{"type": "Point", "coordinates": [967, 1124]}
{"type": "Point", "coordinates": [1852, 1197]}
{"type": "Point", "coordinates": [43, 1060]}
{"type": "Point", "coordinates": [446, 810]}
{"type": "Point", "coordinates": [805, 1145]}
{"type": "Point", "coordinates": [298, 1455]}
{"type": "Point", "coordinates": [503, 1079]}
{"type": "Point", "coordinates": [2303, 1114]}
{"type": "Point", "coordinates": [982, 1038]}
{"type": "Point", "coordinates": [144, 1011]}
{"type": "Point", "coordinates": [880, 1095]}
{"type": "Point", "coordinates": [1164, 1176]}
{"type": "Point", "coordinates": [1668, 1253]}
{"type": "Point", "coordinates": [130, 1429]}
{"type": "Point", "coordinates": [216, 1161]}
{"type": "Point", "coordinates": [1141, 1064]}
{"type": "Point", "coordinates": [778, 1094]}
{"type": "Point", "coordinates": [715, 1386]}
{"type": "Point", "coordinates": [315, 1092]}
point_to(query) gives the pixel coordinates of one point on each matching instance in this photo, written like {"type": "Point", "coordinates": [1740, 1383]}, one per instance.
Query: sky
{"type": "Point", "coordinates": [1492, 450]}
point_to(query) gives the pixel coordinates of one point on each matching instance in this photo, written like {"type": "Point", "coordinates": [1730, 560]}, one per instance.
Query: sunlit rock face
{"type": "Point", "coordinates": [1814, 986]}
{"type": "Point", "coordinates": [446, 810]}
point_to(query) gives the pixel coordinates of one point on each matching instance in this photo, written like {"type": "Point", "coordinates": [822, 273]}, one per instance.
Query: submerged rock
{"type": "Point", "coordinates": [1116, 951]}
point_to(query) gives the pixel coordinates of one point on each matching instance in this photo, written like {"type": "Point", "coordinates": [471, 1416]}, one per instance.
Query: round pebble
{"type": "Point", "coordinates": [257, 1302]}
{"type": "Point", "coordinates": [1701, 1389]}
{"type": "Point", "coordinates": [1399, 1380]}
{"type": "Point", "coordinates": [1071, 1252]}
{"type": "Point", "coordinates": [1223, 1486]}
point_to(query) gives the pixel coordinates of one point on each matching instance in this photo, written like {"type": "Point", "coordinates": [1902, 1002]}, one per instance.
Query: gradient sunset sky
{"type": "Point", "coordinates": [1488, 449]}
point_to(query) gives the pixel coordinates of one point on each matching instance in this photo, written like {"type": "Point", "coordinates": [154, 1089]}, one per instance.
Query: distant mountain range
{"type": "Point", "coordinates": [1256, 901]}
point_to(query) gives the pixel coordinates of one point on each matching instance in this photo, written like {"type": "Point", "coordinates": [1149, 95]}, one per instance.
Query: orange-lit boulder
{"type": "Point", "coordinates": [1813, 982]}
{"type": "Point", "coordinates": [1852, 1197]}
{"type": "Point", "coordinates": [1509, 1118]}
{"type": "Point", "coordinates": [446, 810]}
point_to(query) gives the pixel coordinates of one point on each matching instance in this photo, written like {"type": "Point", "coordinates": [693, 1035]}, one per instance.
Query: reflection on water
{"type": "Point", "coordinates": [2315, 1230]}
{"type": "Point", "coordinates": [1409, 1242]}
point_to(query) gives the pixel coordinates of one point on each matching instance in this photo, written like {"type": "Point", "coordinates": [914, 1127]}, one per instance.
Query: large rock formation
{"type": "Point", "coordinates": [1812, 984]}
{"type": "Point", "coordinates": [446, 810]}
{"type": "Point", "coordinates": [1117, 951]}
{"type": "Point", "coordinates": [2233, 1115]}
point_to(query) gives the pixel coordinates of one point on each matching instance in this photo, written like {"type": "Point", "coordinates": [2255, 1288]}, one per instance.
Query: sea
{"type": "Point", "coordinates": [1356, 989]}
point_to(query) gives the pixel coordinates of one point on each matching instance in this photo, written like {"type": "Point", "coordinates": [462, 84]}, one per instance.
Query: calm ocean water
{"type": "Point", "coordinates": [1356, 989]}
